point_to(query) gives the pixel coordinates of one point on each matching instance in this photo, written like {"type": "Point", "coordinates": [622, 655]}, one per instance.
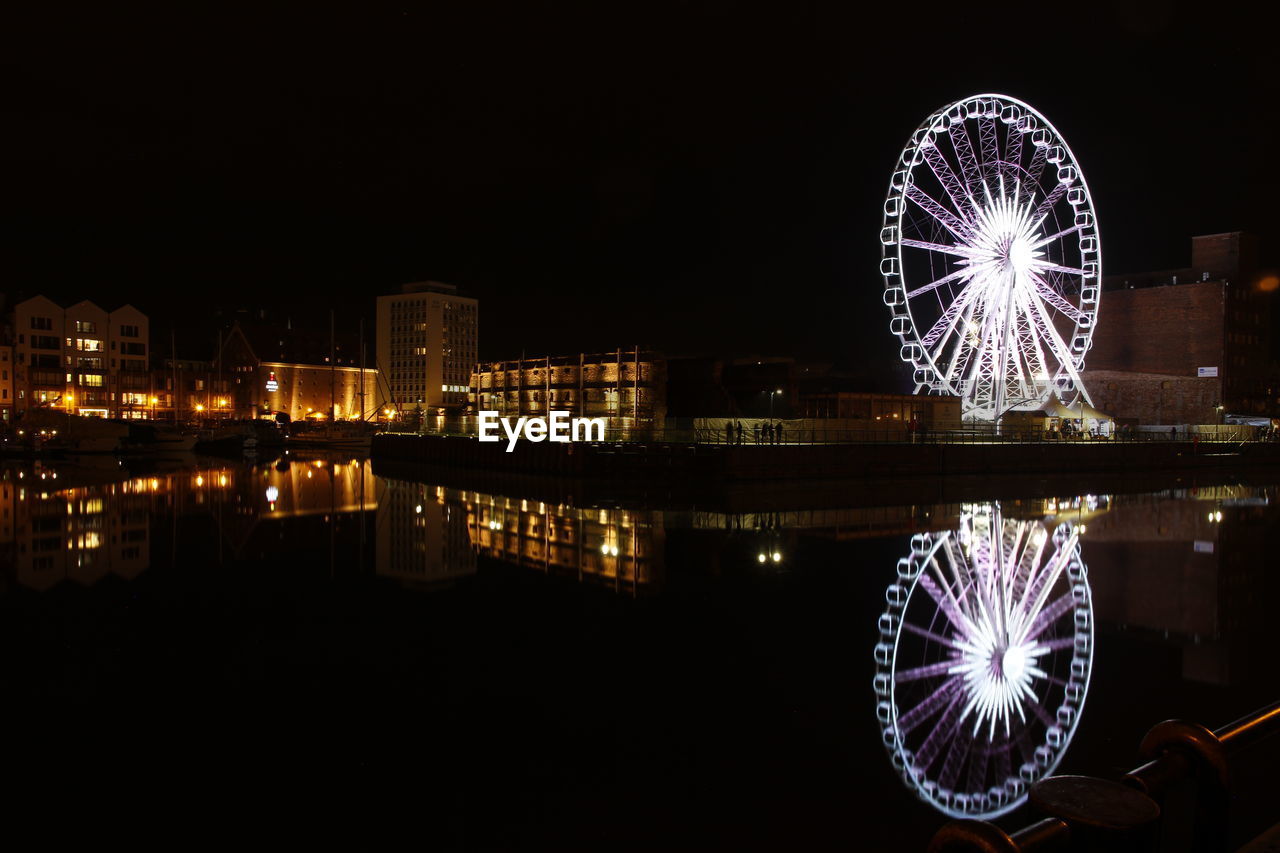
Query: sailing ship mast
{"type": "Point", "coordinates": [333, 414]}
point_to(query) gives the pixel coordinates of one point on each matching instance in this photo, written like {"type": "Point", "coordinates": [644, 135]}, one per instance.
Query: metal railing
{"type": "Point", "coordinates": [1176, 751]}
{"type": "Point", "coordinates": [808, 436]}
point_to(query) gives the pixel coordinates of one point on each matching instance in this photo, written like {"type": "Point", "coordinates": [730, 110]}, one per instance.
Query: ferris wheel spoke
{"type": "Point", "coordinates": [930, 635]}
{"type": "Point", "coordinates": [958, 194]}
{"type": "Point", "coordinates": [942, 328]}
{"type": "Point", "coordinates": [961, 575]}
{"type": "Point", "coordinates": [930, 671]}
{"type": "Point", "coordinates": [1042, 714]}
{"type": "Point", "coordinates": [935, 701]}
{"type": "Point", "coordinates": [948, 605]}
{"type": "Point", "coordinates": [989, 141]}
{"type": "Point", "coordinates": [945, 248]}
{"type": "Point", "coordinates": [1013, 150]}
{"type": "Point", "coordinates": [956, 755]}
{"type": "Point", "coordinates": [1002, 768]}
{"type": "Point", "coordinates": [946, 218]}
{"type": "Point", "coordinates": [984, 368]}
{"type": "Point", "coordinates": [963, 349]}
{"type": "Point", "coordinates": [1056, 565]}
{"type": "Point", "coordinates": [1038, 160]}
{"type": "Point", "coordinates": [1032, 352]}
{"type": "Point", "coordinates": [978, 769]}
{"type": "Point", "coordinates": [1049, 615]}
{"type": "Point", "coordinates": [1042, 266]}
{"type": "Point", "coordinates": [1058, 643]}
{"type": "Point", "coordinates": [1032, 560]}
{"type": "Point", "coordinates": [1046, 292]}
{"type": "Point", "coordinates": [1056, 344]}
{"type": "Point", "coordinates": [1044, 241]}
{"type": "Point", "coordinates": [943, 732]}
{"type": "Point", "coordinates": [963, 272]}
{"type": "Point", "coordinates": [1050, 200]}
{"type": "Point", "coordinates": [1025, 748]}
{"type": "Point", "coordinates": [964, 153]}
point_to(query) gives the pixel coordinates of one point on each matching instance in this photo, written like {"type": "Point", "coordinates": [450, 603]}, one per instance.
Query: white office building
{"type": "Point", "coordinates": [427, 345]}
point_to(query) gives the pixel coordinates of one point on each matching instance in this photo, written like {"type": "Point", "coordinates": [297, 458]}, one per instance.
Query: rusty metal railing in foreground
{"type": "Point", "coordinates": [1085, 813]}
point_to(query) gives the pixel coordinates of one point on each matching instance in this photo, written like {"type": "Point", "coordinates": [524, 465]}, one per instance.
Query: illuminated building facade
{"type": "Point", "coordinates": [427, 344]}
{"type": "Point", "coordinates": [6, 382]}
{"type": "Point", "coordinates": [626, 385]}
{"type": "Point", "coordinates": [880, 411]}
{"type": "Point", "coordinates": [263, 370]}
{"type": "Point", "coordinates": [82, 359]}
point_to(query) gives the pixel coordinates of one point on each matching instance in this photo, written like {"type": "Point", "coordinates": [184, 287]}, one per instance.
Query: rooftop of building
{"type": "Point", "coordinates": [1231, 255]}
{"type": "Point", "coordinates": [428, 287]}
{"type": "Point", "coordinates": [68, 304]}
{"type": "Point", "coordinates": [283, 342]}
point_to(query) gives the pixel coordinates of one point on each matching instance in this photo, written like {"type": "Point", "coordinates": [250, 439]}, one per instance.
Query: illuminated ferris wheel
{"type": "Point", "coordinates": [984, 658]}
{"type": "Point", "coordinates": [991, 260]}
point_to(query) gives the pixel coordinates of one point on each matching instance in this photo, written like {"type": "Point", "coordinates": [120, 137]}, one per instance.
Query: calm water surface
{"type": "Point", "coordinates": [509, 671]}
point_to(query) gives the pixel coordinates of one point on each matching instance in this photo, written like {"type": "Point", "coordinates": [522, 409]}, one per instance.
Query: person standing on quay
{"type": "Point", "coordinates": [728, 432]}
{"type": "Point", "coordinates": [757, 432]}
{"type": "Point", "coordinates": [1173, 433]}
{"type": "Point", "coordinates": [739, 428]}
{"type": "Point", "coordinates": [777, 431]}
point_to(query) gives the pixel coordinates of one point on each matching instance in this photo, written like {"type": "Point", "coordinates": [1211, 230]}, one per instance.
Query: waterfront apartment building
{"type": "Point", "coordinates": [6, 382]}
{"type": "Point", "coordinates": [427, 343]}
{"type": "Point", "coordinates": [82, 359]}
{"type": "Point", "coordinates": [625, 385]}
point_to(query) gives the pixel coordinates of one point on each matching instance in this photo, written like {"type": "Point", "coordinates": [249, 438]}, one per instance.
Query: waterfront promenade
{"type": "Point", "coordinates": [870, 458]}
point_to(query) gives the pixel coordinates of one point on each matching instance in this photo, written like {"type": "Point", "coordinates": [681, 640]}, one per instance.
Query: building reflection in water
{"type": "Point", "coordinates": [1191, 568]}
{"type": "Point", "coordinates": [81, 533]}
{"type": "Point", "coordinates": [984, 659]}
{"type": "Point", "coordinates": [430, 534]}
{"type": "Point", "coordinates": [1187, 567]}
{"type": "Point", "coordinates": [422, 536]}
{"type": "Point", "coordinates": [68, 521]}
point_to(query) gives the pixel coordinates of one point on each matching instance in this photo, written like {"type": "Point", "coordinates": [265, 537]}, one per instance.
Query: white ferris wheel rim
{"type": "Point", "coordinates": [1012, 792]}
{"type": "Point", "coordinates": [1064, 380]}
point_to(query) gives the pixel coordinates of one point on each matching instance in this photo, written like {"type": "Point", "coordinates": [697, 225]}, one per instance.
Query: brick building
{"type": "Point", "coordinates": [1187, 345]}
{"type": "Point", "coordinates": [266, 368]}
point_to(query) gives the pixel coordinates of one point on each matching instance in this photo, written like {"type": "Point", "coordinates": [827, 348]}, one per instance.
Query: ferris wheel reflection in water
{"type": "Point", "coordinates": [983, 659]}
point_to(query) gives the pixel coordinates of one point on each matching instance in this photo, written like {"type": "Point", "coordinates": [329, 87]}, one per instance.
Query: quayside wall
{"type": "Point", "coordinates": [757, 463]}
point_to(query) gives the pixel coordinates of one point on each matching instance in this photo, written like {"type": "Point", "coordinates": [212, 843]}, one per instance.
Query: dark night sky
{"type": "Point", "coordinates": [699, 176]}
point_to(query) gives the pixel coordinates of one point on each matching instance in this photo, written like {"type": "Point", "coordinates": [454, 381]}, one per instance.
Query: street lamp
{"type": "Point", "coordinates": [771, 396]}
